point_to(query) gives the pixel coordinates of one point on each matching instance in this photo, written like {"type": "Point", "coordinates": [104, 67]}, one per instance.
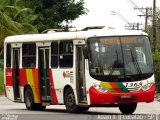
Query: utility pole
{"type": "Point", "coordinates": [154, 27]}
{"type": "Point", "coordinates": [147, 15]}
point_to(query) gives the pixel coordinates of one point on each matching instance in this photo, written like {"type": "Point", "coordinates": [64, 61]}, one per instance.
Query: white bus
{"type": "Point", "coordinates": [82, 69]}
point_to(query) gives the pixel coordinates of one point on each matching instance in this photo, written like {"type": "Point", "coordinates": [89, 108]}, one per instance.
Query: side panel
{"type": "Point", "coordinates": [10, 93]}
{"type": "Point", "coordinates": [52, 89]}
{"type": "Point", "coordinates": [30, 77]}
{"type": "Point", "coordinates": [9, 84]}
{"type": "Point", "coordinates": [60, 81]}
{"type": "Point", "coordinates": [32, 80]}
{"type": "Point", "coordinates": [8, 77]}
{"type": "Point", "coordinates": [23, 77]}
{"type": "Point", "coordinates": [26, 76]}
{"type": "Point", "coordinates": [62, 72]}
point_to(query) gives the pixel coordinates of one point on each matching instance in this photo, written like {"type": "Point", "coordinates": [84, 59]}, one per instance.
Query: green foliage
{"type": "Point", "coordinates": [15, 19]}
{"type": "Point", "coordinates": [1, 82]}
{"type": "Point", "coordinates": [156, 53]}
{"type": "Point", "coordinates": [31, 16]}
{"type": "Point", "coordinates": [18, 15]}
{"type": "Point", "coordinates": [52, 13]}
{"type": "Point", "coordinates": [156, 56]}
{"type": "Point", "coordinates": [1, 77]}
{"type": "Point", "coordinates": [43, 14]}
{"type": "Point", "coordinates": [1, 66]}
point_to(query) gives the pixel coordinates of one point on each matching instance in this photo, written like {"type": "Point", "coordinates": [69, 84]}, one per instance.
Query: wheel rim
{"type": "Point", "coordinates": [70, 100]}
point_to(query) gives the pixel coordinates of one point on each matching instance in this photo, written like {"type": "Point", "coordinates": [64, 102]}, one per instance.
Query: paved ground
{"type": "Point", "coordinates": [157, 97]}
{"type": "Point", "coordinates": [17, 111]}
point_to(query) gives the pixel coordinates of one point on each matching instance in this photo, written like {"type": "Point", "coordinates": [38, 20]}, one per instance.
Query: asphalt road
{"type": "Point", "coordinates": [17, 111]}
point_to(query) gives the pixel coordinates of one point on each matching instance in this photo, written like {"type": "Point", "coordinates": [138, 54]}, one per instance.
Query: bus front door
{"type": "Point", "coordinates": [81, 84]}
{"type": "Point", "coordinates": [15, 73]}
{"type": "Point", "coordinates": [44, 73]}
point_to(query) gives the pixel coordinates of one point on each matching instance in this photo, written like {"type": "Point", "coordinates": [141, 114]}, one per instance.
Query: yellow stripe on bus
{"type": "Point", "coordinates": [106, 85]}
{"type": "Point", "coordinates": [30, 81]}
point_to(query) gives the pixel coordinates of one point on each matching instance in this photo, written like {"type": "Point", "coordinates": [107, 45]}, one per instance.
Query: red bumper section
{"type": "Point", "coordinates": [100, 98]}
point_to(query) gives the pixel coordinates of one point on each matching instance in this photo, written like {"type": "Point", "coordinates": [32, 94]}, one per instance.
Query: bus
{"type": "Point", "coordinates": [79, 69]}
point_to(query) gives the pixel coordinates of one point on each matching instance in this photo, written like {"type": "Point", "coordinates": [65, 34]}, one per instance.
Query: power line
{"type": "Point", "coordinates": [146, 15]}
{"type": "Point", "coordinates": [140, 9]}
{"type": "Point", "coordinates": [136, 6]}
{"type": "Point", "coordinates": [119, 15]}
{"type": "Point", "coordinates": [130, 26]}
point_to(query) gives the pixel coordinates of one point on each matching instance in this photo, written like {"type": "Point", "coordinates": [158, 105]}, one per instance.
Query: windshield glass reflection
{"type": "Point", "coordinates": [119, 56]}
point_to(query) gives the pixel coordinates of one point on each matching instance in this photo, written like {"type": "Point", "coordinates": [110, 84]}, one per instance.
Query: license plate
{"type": "Point", "coordinates": [125, 96]}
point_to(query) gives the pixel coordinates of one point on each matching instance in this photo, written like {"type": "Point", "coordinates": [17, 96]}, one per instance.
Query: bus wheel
{"type": "Point", "coordinates": [83, 108]}
{"type": "Point", "coordinates": [69, 100]}
{"type": "Point", "coordinates": [29, 99]}
{"type": "Point", "coordinates": [128, 108]}
{"type": "Point", "coordinates": [38, 106]}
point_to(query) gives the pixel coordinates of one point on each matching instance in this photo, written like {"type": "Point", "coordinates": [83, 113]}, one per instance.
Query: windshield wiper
{"type": "Point", "coordinates": [135, 62]}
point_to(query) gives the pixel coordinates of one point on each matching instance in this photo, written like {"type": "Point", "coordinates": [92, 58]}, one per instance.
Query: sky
{"type": "Point", "coordinates": [100, 13]}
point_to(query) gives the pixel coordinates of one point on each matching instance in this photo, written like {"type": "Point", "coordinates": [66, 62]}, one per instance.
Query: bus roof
{"type": "Point", "coordinates": [70, 35]}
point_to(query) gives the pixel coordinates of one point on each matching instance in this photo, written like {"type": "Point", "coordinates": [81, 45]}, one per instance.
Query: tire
{"type": "Point", "coordinates": [83, 109]}
{"type": "Point", "coordinates": [29, 99]}
{"type": "Point", "coordinates": [38, 106]}
{"type": "Point", "coordinates": [70, 102]}
{"type": "Point", "coordinates": [128, 108]}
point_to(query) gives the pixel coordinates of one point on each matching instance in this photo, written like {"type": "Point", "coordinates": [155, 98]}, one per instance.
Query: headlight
{"type": "Point", "coordinates": [100, 88]}
{"type": "Point", "coordinates": [147, 86]}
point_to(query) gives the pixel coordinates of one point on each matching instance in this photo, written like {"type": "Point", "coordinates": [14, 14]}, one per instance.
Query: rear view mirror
{"type": "Point", "coordinates": [85, 52]}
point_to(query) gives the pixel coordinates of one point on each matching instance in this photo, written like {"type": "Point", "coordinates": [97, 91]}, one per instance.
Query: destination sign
{"type": "Point", "coordinates": [118, 40]}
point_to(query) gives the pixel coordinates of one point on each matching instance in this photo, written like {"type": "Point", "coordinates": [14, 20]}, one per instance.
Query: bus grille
{"type": "Point", "coordinates": [118, 99]}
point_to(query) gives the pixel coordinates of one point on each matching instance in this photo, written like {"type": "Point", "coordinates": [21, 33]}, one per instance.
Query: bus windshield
{"type": "Point", "coordinates": [120, 58]}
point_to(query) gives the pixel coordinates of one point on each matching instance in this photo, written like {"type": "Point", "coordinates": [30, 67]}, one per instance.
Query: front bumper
{"type": "Point", "coordinates": [99, 98]}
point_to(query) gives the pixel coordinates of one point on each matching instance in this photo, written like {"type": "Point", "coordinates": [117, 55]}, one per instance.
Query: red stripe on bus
{"type": "Point", "coordinates": [35, 77]}
{"type": "Point", "coordinates": [52, 89]}
{"type": "Point", "coordinates": [115, 86]}
{"type": "Point", "coordinates": [22, 77]}
{"type": "Point", "coordinates": [9, 77]}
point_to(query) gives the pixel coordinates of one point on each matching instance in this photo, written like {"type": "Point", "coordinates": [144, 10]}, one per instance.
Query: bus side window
{"type": "Point", "coordinates": [8, 56]}
{"type": "Point", "coordinates": [54, 54]}
{"type": "Point", "coordinates": [66, 54]}
{"type": "Point", "coordinates": [29, 55]}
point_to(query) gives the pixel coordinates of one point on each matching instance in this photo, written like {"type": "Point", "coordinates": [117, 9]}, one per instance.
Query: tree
{"type": "Point", "coordinates": [156, 53]}
{"type": "Point", "coordinates": [26, 16]}
{"type": "Point", "coordinates": [17, 12]}
{"type": "Point", "coordinates": [53, 13]}
{"type": "Point", "coordinates": [13, 20]}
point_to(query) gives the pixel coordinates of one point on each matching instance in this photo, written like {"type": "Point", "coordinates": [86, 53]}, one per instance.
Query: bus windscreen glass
{"type": "Point", "coordinates": [120, 57]}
